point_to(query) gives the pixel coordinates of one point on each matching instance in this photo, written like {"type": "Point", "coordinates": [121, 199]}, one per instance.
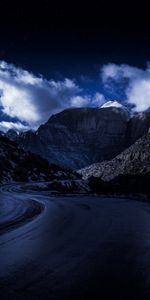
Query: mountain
{"type": "Point", "coordinates": [78, 137]}
{"type": "Point", "coordinates": [18, 165]}
{"type": "Point", "coordinates": [114, 145]}
{"type": "Point", "coordinates": [132, 161]}
{"type": "Point", "coordinates": [11, 134]}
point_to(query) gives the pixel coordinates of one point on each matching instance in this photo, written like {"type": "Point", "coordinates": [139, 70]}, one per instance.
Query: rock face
{"type": "Point", "coordinates": [135, 160]}
{"type": "Point", "coordinates": [78, 137]}
{"type": "Point", "coordinates": [138, 125]}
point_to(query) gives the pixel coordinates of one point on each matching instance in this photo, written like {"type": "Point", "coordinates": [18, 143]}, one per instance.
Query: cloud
{"type": "Point", "coordinates": [32, 99]}
{"type": "Point", "coordinates": [17, 126]}
{"type": "Point", "coordinates": [95, 100]}
{"type": "Point", "coordinates": [136, 83]}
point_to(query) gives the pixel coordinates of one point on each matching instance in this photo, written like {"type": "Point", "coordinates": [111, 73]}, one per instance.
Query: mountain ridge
{"type": "Point", "coordinates": [78, 137]}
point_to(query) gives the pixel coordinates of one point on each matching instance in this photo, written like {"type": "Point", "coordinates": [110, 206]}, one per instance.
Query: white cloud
{"type": "Point", "coordinates": [5, 126]}
{"type": "Point", "coordinates": [112, 104]}
{"type": "Point", "coordinates": [138, 83]}
{"type": "Point", "coordinates": [98, 99]}
{"type": "Point", "coordinates": [33, 99]}
{"type": "Point", "coordinates": [30, 98]}
{"type": "Point", "coordinates": [80, 101]}
{"type": "Point", "coordinates": [94, 101]}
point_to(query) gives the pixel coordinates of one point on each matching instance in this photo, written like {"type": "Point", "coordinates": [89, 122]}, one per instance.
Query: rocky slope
{"type": "Point", "coordinates": [78, 137]}
{"type": "Point", "coordinates": [18, 165]}
{"type": "Point", "coordinates": [134, 160]}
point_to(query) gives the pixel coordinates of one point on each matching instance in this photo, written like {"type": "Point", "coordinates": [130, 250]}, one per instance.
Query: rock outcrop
{"type": "Point", "coordinates": [135, 160]}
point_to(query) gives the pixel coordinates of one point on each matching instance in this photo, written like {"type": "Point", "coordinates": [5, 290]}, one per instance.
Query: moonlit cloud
{"type": "Point", "coordinates": [17, 126]}
{"type": "Point", "coordinates": [137, 88]}
{"type": "Point", "coordinates": [30, 98]}
{"type": "Point", "coordinates": [80, 101]}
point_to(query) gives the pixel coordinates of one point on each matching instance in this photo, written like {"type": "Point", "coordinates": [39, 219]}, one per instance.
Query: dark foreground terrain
{"type": "Point", "coordinates": [79, 247]}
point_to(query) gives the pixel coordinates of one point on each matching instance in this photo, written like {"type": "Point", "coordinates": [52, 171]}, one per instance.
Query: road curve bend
{"type": "Point", "coordinates": [79, 247]}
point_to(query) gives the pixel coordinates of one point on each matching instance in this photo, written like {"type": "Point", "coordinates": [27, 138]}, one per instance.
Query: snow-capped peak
{"type": "Point", "coordinates": [112, 104]}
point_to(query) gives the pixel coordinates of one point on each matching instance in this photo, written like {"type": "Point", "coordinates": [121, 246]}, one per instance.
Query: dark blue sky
{"type": "Point", "coordinates": [70, 38]}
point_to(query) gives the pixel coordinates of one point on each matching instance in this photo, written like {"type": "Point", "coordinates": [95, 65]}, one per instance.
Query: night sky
{"type": "Point", "coordinates": [74, 40]}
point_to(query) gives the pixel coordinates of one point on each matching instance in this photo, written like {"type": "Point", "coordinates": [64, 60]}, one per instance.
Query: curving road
{"type": "Point", "coordinates": [73, 247]}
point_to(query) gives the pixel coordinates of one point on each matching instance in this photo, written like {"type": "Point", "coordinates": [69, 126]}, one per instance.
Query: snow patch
{"type": "Point", "coordinates": [112, 104]}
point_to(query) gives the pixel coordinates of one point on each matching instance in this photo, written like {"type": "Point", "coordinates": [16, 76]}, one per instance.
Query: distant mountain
{"type": "Point", "coordinates": [78, 137]}
{"type": "Point", "coordinates": [135, 160]}
{"type": "Point", "coordinates": [18, 165]}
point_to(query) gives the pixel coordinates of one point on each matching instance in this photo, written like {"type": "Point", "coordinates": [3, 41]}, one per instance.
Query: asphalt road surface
{"type": "Point", "coordinates": [77, 247]}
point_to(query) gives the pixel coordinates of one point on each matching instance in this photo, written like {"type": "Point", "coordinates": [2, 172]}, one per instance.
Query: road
{"type": "Point", "coordinates": [79, 247]}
